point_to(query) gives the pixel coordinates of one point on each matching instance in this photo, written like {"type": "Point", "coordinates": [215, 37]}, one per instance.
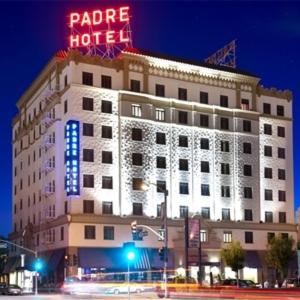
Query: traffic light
{"type": "Point", "coordinates": [67, 260]}
{"type": "Point", "coordinates": [161, 253]}
{"type": "Point", "coordinates": [75, 260]}
{"type": "Point", "coordinates": [137, 233]}
{"type": "Point", "coordinates": [38, 265]}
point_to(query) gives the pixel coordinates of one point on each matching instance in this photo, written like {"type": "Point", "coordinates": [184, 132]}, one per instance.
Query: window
{"type": "Point", "coordinates": [65, 106]}
{"type": "Point", "coordinates": [106, 132]}
{"type": "Point", "coordinates": [267, 108]}
{"type": "Point", "coordinates": [87, 78]}
{"type": "Point", "coordinates": [88, 129]}
{"type": "Point", "coordinates": [66, 207]}
{"type": "Point", "coordinates": [107, 182]}
{"type": "Point", "coordinates": [137, 134]}
{"type": "Point", "coordinates": [248, 215]}
{"type": "Point", "coordinates": [107, 208]}
{"type": "Point", "coordinates": [224, 101]}
{"type": "Point", "coordinates": [88, 155]}
{"type": "Point", "coordinates": [183, 211]}
{"type": "Point", "coordinates": [204, 120]}
{"type": "Point", "coordinates": [87, 103]}
{"type": "Point", "coordinates": [225, 214]}
{"type": "Point", "coordinates": [183, 141]}
{"type": "Point", "coordinates": [280, 110]}
{"type": "Point", "coordinates": [62, 233]}
{"type": "Point", "coordinates": [89, 232]}
{"type": "Point", "coordinates": [203, 236]}
{"type": "Point", "coordinates": [160, 138]}
{"type": "Point", "coordinates": [160, 186]}
{"type": "Point", "coordinates": [137, 159]}
{"type": "Point", "coordinates": [136, 110]}
{"type": "Point", "coordinates": [135, 85]}
{"type": "Point", "coordinates": [225, 191]}
{"type": "Point", "coordinates": [205, 190]}
{"type": "Point", "coordinates": [268, 217]}
{"type": "Point", "coordinates": [183, 165]}
{"type": "Point", "coordinates": [88, 206]}
{"type": "Point", "coordinates": [182, 94]}
{"type": "Point", "coordinates": [245, 104]}
{"type": "Point", "coordinates": [204, 97]}
{"type": "Point", "coordinates": [204, 166]}
{"type": "Point", "coordinates": [280, 131]}
{"type": "Point", "coordinates": [281, 196]}
{"type": "Point", "coordinates": [183, 188]}
{"type": "Point", "coordinates": [107, 157]}
{"type": "Point", "coordinates": [247, 148]}
{"type": "Point", "coordinates": [268, 173]}
{"type": "Point", "coordinates": [224, 123]}
{"type": "Point", "coordinates": [137, 184]}
{"type": "Point", "coordinates": [160, 162]}
{"type": "Point", "coordinates": [284, 235]}
{"type": "Point", "coordinates": [268, 151]}
{"type": "Point", "coordinates": [158, 210]}
{"type": "Point", "coordinates": [247, 125]}
{"type": "Point", "coordinates": [106, 82]}
{"type": "Point", "coordinates": [225, 146]}
{"type": "Point", "coordinates": [248, 192]}
{"type": "Point", "coordinates": [205, 212]}
{"type": "Point", "coordinates": [247, 170]}
{"type": "Point", "coordinates": [227, 237]}
{"type": "Point", "coordinates": [204, 144]}
{"type": "Point", "coordinates": [282, 217]}
{"type": "Point", "coordinates": [137, 209]}
{"type": "Point", "coordinates": [281, 153]}
{"type": "Point", "coordinates": [182, 117]}
{"type": "Point", "coordinates": [106, 107]}
{"type": "Point", "coordinates": [108, 233]}
{"type": "Point", "coordinates": [159, 114]}
{"type": "Point", "coordinates": [281, 174]}
{"type": "Point", "coordinates": [88, 181]}
{"type": "Point", "coordinates": [249, 237]}
{"type": "Point", "coordinates": [160, 90]}
{"type": "Point", "coordinates": [225, 169]}
{"type": "Point", "coordinates": [268, 129]}
{"type": "Point", "coordinates": [268, 195]}
{"type": "Point", "coordinates": [270, 236]}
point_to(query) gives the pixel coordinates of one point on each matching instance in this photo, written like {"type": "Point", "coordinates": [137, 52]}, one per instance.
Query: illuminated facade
{"type": "Point", "coordinates": [216, 139]}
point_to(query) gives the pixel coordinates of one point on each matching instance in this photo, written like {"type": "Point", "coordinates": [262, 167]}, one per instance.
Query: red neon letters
{"type": "Point", "coordinates": [99, 27]}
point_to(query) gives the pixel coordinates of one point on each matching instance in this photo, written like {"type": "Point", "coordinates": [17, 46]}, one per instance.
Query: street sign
{"type": "Point", "coordinates": [194, 233]}
{"type": "Point", "coordinates": [162, 234]}
{"type": "Point", "coordinates": [3, 246]}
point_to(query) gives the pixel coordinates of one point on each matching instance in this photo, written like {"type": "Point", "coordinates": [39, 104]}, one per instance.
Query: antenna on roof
{"type": "Point", "coordinates": [224, 56]}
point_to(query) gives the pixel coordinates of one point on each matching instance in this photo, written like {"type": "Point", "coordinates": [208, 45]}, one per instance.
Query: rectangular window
{"type": "Point", "coordinates": [248, 192]}
{"type": "Point", "coordinates": [106, 82]}
{"type": "Point", "coordinates": [88, 206]}
{"type": "Point", "coordinates": [281, 153]}
{"type": "Point", "coordinates": [268, 217]}
{"type": "Point", "coordinates": [88, 155]}
{"type": "Point", "coordinates": [246, 125]}
{"type": "Point", "coordinates": [137, 159]}
{"type": "Point", "coordinates": [109, 233]}
{"type": "Point", "coordinates": [204, 97]}
{"type": "Point", "coordinates": [65, 106]}
{"type": "Point", "coordinates": [204, 166]}
{"type": "Point", "coordinates": [160, 162]}
{"type": "Point", "coordinates": [107, 157]}
{"type": "Point", "coordinates": [159, 114]}
{"type": "Point", "coordinates": [182, 117]}
{"type": "Point", "coordinates": [247, 170]}
{"type": "Point", "coordinates": [88, 129]}
{"type": "Point", "coordinates": [268, 173]}
{"type": "Point", "coordinates": [183, 188]}
{"type": "Point", "coordinates": [87, 103]}
{"type": "Point", "coordinates": [225, 214]}
{"type": "Point", "coordinates": [282, 217]}
{"type": "Point", "coordinates": [248, 215]}
{"type": "Point", "coordinates": [106, 107]}
{"type": "Point", "coordinates": [248, 237]}
{"type": "Point", "coordinates": [268, 151]}
{"type": "Point", "coordinates": [137, 134]}
{"type": "Point", "coordinates": [183, 165]}
{"type": "Point", "coordinates": [285, 235]}
{"type": "Point", "coordinates": [135, 85]}
{"type": "Point", "coordinates": [136, 110]}
{"type": "Point", "coordinates": [280, 110]}
{"type": "Point", "coordinates": [281, 174]}
{"type": "Point", "coordinates": [245, 104]}
{"type": "Point", "coordinates": [204, 120]}
{"type": "Point", "coordinates": [224, 123]}
{"type": "Point", "coordinates": [225, 169]}
{"type": "Point", "coordinates": [203, 236]}
{"type": "Point", "coordinates": [107, 182]}
{"type": "Point", "coordinates": [137, 184]}
{"type": "Point", "coordinates": [204, 144]}
{"type": "Point", "coordinates": [270, 236]}
{"type": "Point", "coordinates": [160, 186]}
{"type": "Point", "coordinates": [137, 209]}
{"type": "Point", "coordinates": [183, 211]}
{"type": "Point", "coordinates": [160, 90]}
{"type": "Point", "coordinates": [268, 195]}
{"type": "Point", "coordinates": [182, 94]}
{"type": "Point", "coordinates": [160, 138]}
{"type": "Point", "coordinates": [224, 101]}
{"type": "Point", "coordinates": [62, 233]}
{"type": "Point", "coordinates": [280, 131]}
{"type": "Point", "coordinates": [205, 190]}
{"type": "Point", "coordinates": [107, 208]}
{"type": "Point", "coordinates": [205, 212]}
{"type": "Point", "coordinates": [106, 132]}
{"type": "Point", "coordinates": [89, 232]}
{"type": "Point", "coordinates": [225, 191]}
{"type": "Point", "coordinates": [267, 108]}
{"type": "Point", "coordinates": [87, 78]}
{"type": "Point", "coordinates": [227, 237]}
{"type": "Point", "coordinates": [281, 196]}
{"type": "Point", "coordinates": [88, 181]}
{"type": "Point", "coordinates": [183, 141]}
{"type": "Point", "coordinates": [247, 148]}
{"type": "Point", "coordinates": [225, 146]}
{"type": "Point", "coordinates": [268, 129]}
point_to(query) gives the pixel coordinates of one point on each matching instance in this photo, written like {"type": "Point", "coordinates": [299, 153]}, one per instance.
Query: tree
{"type": "Point", "coordinates": [279, 251]}
{"type": "Point", "coordinates": [233, 256]}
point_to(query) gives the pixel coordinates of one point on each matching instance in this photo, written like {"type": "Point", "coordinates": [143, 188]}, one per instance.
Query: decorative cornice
{"type": "Point", "coordinates": [273, 92]}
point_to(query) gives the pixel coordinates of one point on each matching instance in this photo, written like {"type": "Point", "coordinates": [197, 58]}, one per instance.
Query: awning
{"type": "Point", "coordinates": [55, 259]}
{"type": "Point", "coordinates": [143, 260]}
{"type": "Point", "coordinates": [252, 259]}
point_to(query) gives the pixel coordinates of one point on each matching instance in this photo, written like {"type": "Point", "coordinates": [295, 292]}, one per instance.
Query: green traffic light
{"type": "Point", "coordinates": [130, 255]}
{"type": "Point", "coordinates": [38, 265]}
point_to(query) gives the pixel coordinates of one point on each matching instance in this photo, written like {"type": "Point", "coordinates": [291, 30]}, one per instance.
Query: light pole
{"type": "Point", "coordinates": [130, 257]}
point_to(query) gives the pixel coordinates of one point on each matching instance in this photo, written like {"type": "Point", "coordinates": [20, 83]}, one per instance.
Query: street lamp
{"type": "Point", "coordinates": [130, 258]}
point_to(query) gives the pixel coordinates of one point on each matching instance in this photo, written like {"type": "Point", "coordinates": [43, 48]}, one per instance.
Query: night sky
{"type": "Point", "coordinates": [268, 44]}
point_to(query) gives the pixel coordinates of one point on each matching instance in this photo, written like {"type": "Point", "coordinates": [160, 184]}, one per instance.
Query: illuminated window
{"type": "Point", "coordinates": [106, 132]}
{"type": "Point", "coordinates": [225, 146]}
{"type": "Point", "coordinates": [204, 120]}
{"type": "Point", "coordinates": [159, 114]}
{"type": "Point", "coordinates": [88, 206]}
{"type": "Point", "coordinates": [107, 208]}
{"type": "Point", "coordinates": [182, 117]}
{"type": "Point", "coordinates": [280, 131]}
{"type": "Point", "coordinates": [225, 214]}
{"type": "Point", "coordinates": [160, 162]}
{"type": "Point", "coordinates": [160, 138]}
{"type": "Point", "coordinates": [268, 129]}
{"type": "Point", "coordinates": [203, 236]}
{"type": "Point", "coordinates": [137, 184]}
{"type": "Point", "coordinates": [88, 155]}
{"type": "Point", "coordinates": [182, 94]}
{"type": "Point", "coordinates": [88, 181]}
{"type": "Point", "coordinates": [281, 196]}
{"type": "Point", "coordinates": [247, 148]}
{"type": "Point", "coordinates": [160, 186]}
{"type": "Point", "coordinates": [268, 195]}
{"type": "Point", "coordinates": [89, 232]}
{"type": "Point", "coordinates": [183, 165]}
{"type": "Point", "coordinates": [88, 129]}
{"type": "Point", "coordinates": [205, 212]}
{"type": "Point", "coordinates": [137, 134]}
{"type": "Point", "coordinates": [204, 97]}
{"type": "Point", "coordinates": [87, 78]}
{"type": "Point", "coordinates": [137, 159]}
{"type": "Point", "coordinates": [281, 153]}
{"type": "Point", "coordinates": [106, 106]}
{"type": "Point", "coordinates": [183, 211]}
{"type": "Point", "coordinates": [280, 110]}
{"type": "Point", "coordinates": [107, 157]}
{"type": "Point", "coordinates": [247, 170]}
{"type": "Point", "coordinates": [204, 144]}
{"type": "Point", "coordinates": [183, 188]}
{"type": "Point", "coordinates": [268, 173]}
{"type": "Point", "coordinates": [268, 151]}
{"type": "Point", "coordinates": [136, 110]}
{"type": "Point", "coordinates": [224, 101]}
{"type": "Point", "coordinates": [160, 90]}
{"type": "Point", "coordinates": [281, 174]}
{"type": "Point", "coordinates": [225, 169]}
{"type": "Point", "coordinates": [183, 141]}
{"type": "Point", "coordinates": [87, 103]}
{"type": "Point", "coordinates": [135, 85]}
{"type": "Point", "coordinates": [107, 182]}
{"type": "Point", "coordinates": [248, 192]}
{"type": "Point", "coordinates": [248, 237]}
{"type": "Point", "coordinates": [267, 108]}
{"type": "Point", "coordinates": [205, 190]}
{"type": "Point", "coordinates": [108, 233]}
{"type": "Point", "coordinates": [204, 166]}
{"type": "Point", "coordinates": [246, 125]}
{"type": "Point", "coordinates": [224, 123]}
{"type": "Point", "coordinates": [225, 191]}
{"type": "Point", "coordinates": [248, 215]}
{"type": "Point", "coordinates": [137, 209]}
{"type": "Point", "coordinates": [106, 82]}
{"type": "Point", "coordinates": [268, 217]}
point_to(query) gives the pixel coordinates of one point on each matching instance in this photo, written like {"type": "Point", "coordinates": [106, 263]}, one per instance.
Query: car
{"type": "Point", "coordinates": [123, 288]}
{"type": "Point", "coordinates": [241, 283]}
{"type": "Point", "coordinates": [290, 283]}
{"type": "Point", "coordinates": [11, 289]}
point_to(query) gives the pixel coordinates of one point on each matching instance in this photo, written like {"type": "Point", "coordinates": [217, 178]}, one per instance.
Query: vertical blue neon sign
{"type": "Point", "coordinates": [72, 158]}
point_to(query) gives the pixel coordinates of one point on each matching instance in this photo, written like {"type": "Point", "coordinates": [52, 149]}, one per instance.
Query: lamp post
{"type": "Point", "coordinates": [130, 257]}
